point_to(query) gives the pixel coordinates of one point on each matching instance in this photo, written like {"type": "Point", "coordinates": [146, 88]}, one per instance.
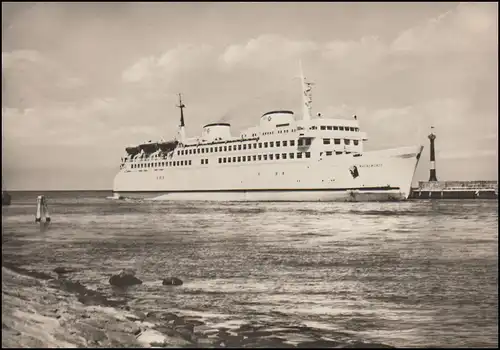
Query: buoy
{"type": "Point", "coordinates": [42, 209]}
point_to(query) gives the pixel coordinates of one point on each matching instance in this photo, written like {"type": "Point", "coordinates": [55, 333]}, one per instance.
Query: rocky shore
{"type": "Point", "coordinates": [42, 309]}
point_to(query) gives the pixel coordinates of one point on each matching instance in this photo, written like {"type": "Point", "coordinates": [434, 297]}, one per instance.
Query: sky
{"type": "Point", "coordinates": [81, 81]}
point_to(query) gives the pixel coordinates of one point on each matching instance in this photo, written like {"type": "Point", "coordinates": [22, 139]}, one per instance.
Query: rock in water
{"type": "Point", "coordinates": [63, 270]}
{"type": "Point", "coordinates": [124, 279]}
{"type": "Point", "coordinates": [172, 281]}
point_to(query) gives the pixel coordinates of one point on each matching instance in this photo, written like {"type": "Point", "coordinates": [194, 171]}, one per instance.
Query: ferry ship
{"type": "Point", "coordinates": [283, 158]}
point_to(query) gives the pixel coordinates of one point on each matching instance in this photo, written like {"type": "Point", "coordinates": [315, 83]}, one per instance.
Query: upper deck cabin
{"type": "Point", "coordinates": [278, 133]}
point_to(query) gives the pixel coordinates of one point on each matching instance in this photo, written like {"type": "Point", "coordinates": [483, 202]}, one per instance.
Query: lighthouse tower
{"type": "Point", "coordinates": [432, 174]}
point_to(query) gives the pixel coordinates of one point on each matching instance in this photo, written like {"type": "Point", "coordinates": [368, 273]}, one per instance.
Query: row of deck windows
{"type": "Point", "coordinates": [285, 143]}
{"type": "Point", "coordinates": [340, 128]}
{"type": "Point", "coordinates": [337, 142]}
{"type": "Point", "coordinates": [258, 157]}
{"type": "Point", "coordinates": [235, 159]}
{"type": "Point", "coordinates": [161, 164]}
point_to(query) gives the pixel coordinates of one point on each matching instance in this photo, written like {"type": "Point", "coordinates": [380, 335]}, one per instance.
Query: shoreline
{"type": "Point", "coordinates": [44, 310]}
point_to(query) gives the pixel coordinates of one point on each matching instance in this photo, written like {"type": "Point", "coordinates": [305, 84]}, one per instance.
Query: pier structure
{"type": "Point", "coordinates": [434, 189]}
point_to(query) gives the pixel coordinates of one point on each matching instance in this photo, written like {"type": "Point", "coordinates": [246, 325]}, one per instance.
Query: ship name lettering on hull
{"type": "Point", "coordinates": [370, 165]}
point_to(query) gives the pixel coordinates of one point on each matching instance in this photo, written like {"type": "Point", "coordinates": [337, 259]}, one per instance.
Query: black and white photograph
{"type": "Point", "coordinates": [250, 174]}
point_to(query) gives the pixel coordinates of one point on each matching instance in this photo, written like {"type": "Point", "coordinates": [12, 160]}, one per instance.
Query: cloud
{"type": "Point", "coordinates": [266, 49]}
{"type": "Point", "coordinates": [30, 78]}
{"type": "Point", "coordinates": [169, 64]}
{"type": "Point", "coordinates": [456, 31]}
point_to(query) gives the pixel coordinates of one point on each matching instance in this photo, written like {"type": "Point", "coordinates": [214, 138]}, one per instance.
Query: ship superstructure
{"type": "Point", "coordinates": [282, 158]}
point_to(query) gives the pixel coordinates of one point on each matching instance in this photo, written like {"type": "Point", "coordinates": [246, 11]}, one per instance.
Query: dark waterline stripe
{"type": "Point", "coordinates": [361, 189]}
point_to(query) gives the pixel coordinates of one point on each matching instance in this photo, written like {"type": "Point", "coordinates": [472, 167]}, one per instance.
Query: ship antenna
{"type": "Point", "coordinates": [181, 106]}
{"type": "Point", "coordinates": [182, 134]}
{"type": "Point", "coordinates": [306, 95]}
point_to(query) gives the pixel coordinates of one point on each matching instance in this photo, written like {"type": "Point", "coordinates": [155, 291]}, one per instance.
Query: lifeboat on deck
{"type": "Point", "coordinates": [132, 150]}
{"type": "Point", "coordinates": [149, 147]}
{"type": "Point", "coordinates": [168, 146]}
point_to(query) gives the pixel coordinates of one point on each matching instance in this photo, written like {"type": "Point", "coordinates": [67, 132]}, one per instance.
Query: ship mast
{"type": "Point", "coordinates": [306, 95]}
{"type": "Point", "coordinates": [182, 132]}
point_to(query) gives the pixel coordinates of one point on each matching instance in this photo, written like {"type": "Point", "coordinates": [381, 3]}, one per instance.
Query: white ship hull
{"type": "Point", "coordinates": [381, 176]}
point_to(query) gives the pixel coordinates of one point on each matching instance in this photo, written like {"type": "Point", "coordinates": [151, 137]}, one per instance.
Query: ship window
{"type": "Point", "coordinates": [336, 141]}
{"type": "Point", "coordinates": [182, 162]}
{"type": "Point", "coordinates": [356, 129]}
{"type": "Point", "coordinates": [277, 156]}
{"type": "Point", "coordinates": [323, 127]}
{"type": "Point", "coordinates": [299, 142]}
{"type": "Point", "coordinates": [283, 155]}
{"type": "Point", "coordinates": [254, 145]}
{"type": "Point", "coordinates": [178, 153]}
{"type": "Point", "coordinates": [190, 162]}
{"type": "Point", "coordinates": [249, 158]}
{"type": "Point", "coordinates": [347, 141]}
{"type": "Point", "coordinates": [341, 128]}
{"type": "Point", "coordinates": [351, 129]}
{"type": "Point", "coordinates": [308, 142]}
{"type": "Point", "coordinates": [245, 146]}
{"type": "Point", "coordinates": [244, 158]}
{"type": "Point", "coordinates": [260, 144]}
{"type": "Point", "coordinates": [347, 152]}
{"type": "Point", "coordinates": [265, 156]}
{"type": "Point", "coordinates": [355, 142]}
{"type": "Point", "coordinates": [220, 149]}
{"type": "Point", "coordinates": [178, 163]}
{"type": "Point", "coordinates": [299, 154]}
{"type": "Point", "coordinates": [292, 142]}
{"type": "Point", "coordinates": [230, 148]}
{"type": "Point", "coordinates": [239, 158]}
{"type": "Point", "coordinates": [329, 127]}
{"type": "Point", "coordinates": [284, 144]}
{"type": "Point", "coordinates": [239, 147]}
{"type": "Point", "coordinates": [326, 141]}
{"type": "Point", "coordinates": [220, 160]}
{"type": "Point", "coordinates": [328, 153]}
{"type": "Point", "coordinates": [270, 157]}
{"type": "Point", "coordinates": [277, 143]}
{"type": "Point", "coordinates": [260, 157]}
{"type": "Point", "coordinates": [211, 149]}
{"type": "Point", "coordinates": [224, 159]}
{"type": "Point", "coordinates": [337, 152]}
{"type": "Point", "coordinates": [234, 159]}
{"type": "Point", "coordinates": [229, 159]}
{"type": "Point", "coordinates": [215, 149]}
{"type": "Point", "coordinates": [265, 144]}
{"type": "Point", "coordinates": [335, 128]}
{"type": "Point", "coordinates": [271, 144]}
